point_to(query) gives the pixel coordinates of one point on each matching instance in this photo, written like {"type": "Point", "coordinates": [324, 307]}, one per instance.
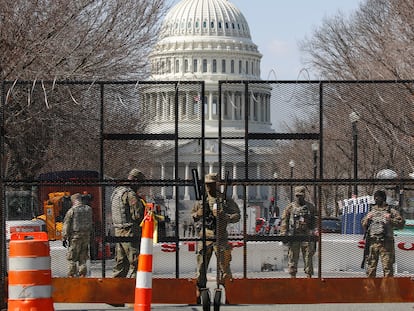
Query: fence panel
{"type": "Point", "coordinates": [342, 140]}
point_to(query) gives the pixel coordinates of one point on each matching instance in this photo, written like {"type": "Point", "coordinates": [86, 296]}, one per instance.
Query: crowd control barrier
{"type": "Point", "coordinates": [30, 277]}
{"type": "Point", "coordinates": [354, 210]}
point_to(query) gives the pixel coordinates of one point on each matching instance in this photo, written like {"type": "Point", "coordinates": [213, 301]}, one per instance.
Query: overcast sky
{"type": "Point", "coordinates": [276, 26]}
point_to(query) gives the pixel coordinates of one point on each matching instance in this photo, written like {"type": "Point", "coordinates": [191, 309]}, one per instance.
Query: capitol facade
{"type": "Point", "coordinates": [209, 41]}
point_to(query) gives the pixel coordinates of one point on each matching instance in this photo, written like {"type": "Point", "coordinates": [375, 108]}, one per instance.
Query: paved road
{"type": "Point", "coordinates": [296, 307]}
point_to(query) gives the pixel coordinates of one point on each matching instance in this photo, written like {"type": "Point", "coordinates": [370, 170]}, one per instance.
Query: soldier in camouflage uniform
{"type": "Point", "coordinates": [128, 210]}
{"type": "Point", "coordinates": [76, 233]}
{"type": "Point", "coordinates": [299, 220]}
{"type": "Point", "coordinates": [221, 212]}
{"type": "Point", "coordinates": [380, 223]}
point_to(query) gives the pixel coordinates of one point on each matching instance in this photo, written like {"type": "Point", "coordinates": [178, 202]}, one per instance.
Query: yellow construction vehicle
{"type": "Point", "coordinates": [55, 208]}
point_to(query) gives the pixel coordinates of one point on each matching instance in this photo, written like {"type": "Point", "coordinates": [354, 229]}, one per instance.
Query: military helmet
{"type": "Point", "coordinates": [76, 197]}
{"type": "Point", "coordinates": [211, 178]}
{"type": "Point", "coordinates": [136, 174]}
{"type": "Point", "coordinates": [300, 190]}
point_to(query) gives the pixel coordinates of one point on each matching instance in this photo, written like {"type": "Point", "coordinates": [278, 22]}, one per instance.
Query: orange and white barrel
{"type": "Point", "coordinates": [143, 288]}
{"type": "Point", "coordinates": [30, 276]}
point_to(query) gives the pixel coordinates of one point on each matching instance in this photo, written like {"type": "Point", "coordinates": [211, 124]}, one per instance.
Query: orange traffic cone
{"type": "Point", "coordinates": [143, 288]}
{"type": "Point", "coordinates": [30, 276]}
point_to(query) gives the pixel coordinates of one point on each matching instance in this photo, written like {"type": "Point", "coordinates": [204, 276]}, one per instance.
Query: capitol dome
{"type": "Point", "coordinates": [209, 41]}
{"type": "Point", "coordinates": [205, 18]}
{"type": "Point", "coordinates": [205, 39]}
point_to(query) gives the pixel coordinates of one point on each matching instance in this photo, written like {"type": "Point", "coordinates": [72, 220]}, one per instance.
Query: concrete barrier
{"type": "Point", "coordinates": [340, 254]}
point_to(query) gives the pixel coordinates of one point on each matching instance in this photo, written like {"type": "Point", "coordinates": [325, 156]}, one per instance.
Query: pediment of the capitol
{"type": "Point", "coordinates": [192, 149]}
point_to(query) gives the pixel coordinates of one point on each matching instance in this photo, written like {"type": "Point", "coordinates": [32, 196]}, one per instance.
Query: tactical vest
{"type": "Point", "coordinates": [210, 220]}
{"type": "Point", "coordinates": [121, 213]}
{"type": "Point", "coordinates": [214, 228]}
{"type": "Point", "coordinates": [300, 219]}
{"type": "Point", "coordinates": [378, 226]}
{"type": "Point", "coordinates": [82, 218]}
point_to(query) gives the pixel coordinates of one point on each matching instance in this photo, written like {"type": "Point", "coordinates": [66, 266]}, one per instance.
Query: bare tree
{"type": "Point", "coordinates": [51, 125]}
{"type": "Point", "coordinates": [81, 39]}
{"type": "Point", "coordinates": [375, 43]}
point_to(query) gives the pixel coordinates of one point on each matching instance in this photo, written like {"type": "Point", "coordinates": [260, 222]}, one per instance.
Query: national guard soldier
{"type": "Point", "coordinates": [76, 234]}
{"type": "Point", "coordinates": [379, 224]}
{"type": "Point", "coordinates": [128, 210]}
{"type": "Point", "coordinates": [299, 220]}
{"type": "Point", "coordinates": [219, 212]}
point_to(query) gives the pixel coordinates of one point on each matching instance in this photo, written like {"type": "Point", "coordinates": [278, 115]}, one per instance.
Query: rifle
{"type": "Point", "coordinates": [222, 196]}
{"type": "Point", "coordinates": [197, 189]}
{"type": "Point", "coordinates": [367, 245]}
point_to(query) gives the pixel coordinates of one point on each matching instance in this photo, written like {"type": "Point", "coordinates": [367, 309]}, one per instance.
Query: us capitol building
{"type": "Point", "coordinates": [208, 40]}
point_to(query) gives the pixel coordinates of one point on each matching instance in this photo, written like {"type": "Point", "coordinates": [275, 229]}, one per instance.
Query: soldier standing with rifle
{"type": "Point", "coordinates": [379, 226]}
{"type": "Point", "coordinates": [216, 209]}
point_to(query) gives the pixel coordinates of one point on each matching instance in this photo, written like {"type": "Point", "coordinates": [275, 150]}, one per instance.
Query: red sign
{"type": "Point", "coordinates": [26, 228]}
{"type": "Point", "coordinates": [171, 247]}
{"type": "Point", "coordinates": [361, 244]}
{"type": "Point", "coordinates": [403, 246]}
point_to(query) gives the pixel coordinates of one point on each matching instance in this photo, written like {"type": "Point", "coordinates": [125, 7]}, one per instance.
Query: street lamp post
{"type": "Point", "coordinates": [315, 149]}
{"type": "Point", "coordinates": [275, 206]}
{"type": "Point", "coordinates": [292, 166]}
{"type": "Point", "coordinates": [354, 118]}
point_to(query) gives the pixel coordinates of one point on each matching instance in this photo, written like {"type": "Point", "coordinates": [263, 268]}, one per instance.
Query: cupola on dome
{"type": "Point", "coordinates": [205, 17]}
{"type": "Point", "coordinates": [205, 39]}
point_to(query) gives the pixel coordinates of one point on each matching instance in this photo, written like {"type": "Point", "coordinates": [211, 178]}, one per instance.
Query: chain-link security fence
{"type": "Point", "coordinates": [341, 140]}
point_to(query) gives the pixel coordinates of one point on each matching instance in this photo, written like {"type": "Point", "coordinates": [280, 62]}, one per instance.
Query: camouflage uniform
{"type": "Point", "coordinates": [380, 223]}
{"type": "Point", "coordinates": [77, 229]}
{"type": "Point", "coordinates": [299, 220]}
{"type": "Point", "coordinates": [230, 213]}
{"type": "Point", "coordinates": [127, 213]}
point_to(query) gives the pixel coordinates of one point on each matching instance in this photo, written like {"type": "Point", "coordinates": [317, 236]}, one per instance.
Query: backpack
{"type": "Point", "coordinates": [82, 218]}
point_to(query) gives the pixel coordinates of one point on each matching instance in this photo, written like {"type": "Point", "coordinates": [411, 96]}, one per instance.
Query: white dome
{"type": "Point", "coordinates": [209, 41]}
{"type": "Point", "coordinates": [205, 39]}
{"type": "Point", "coordinates": [206, 18]}
{"type": "Point", "coordinates": [387, 174]}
